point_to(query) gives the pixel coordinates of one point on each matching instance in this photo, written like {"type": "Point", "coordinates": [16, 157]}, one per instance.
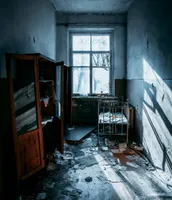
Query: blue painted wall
{"type": "Point", "coordinates": [149, 75]}
{"type": "Point", "coordinates": [26, 27]}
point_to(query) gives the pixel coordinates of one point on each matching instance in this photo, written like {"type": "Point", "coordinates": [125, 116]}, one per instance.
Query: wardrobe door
{"type": "Point", "coordinates": [25, 115]}
{"type": "Point", "coordinates": [59, 118]}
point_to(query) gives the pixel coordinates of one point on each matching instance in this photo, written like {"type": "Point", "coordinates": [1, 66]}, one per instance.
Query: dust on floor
{"type": "Point", "coordinates": [89, 171]}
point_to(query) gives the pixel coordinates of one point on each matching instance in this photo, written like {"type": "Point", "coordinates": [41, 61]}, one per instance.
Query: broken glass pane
{"type": "Point", "coordinates": [101, 43]}
{"type": "Point", "coordinates": [100, 80]}
{"type": "Point", "coordinates": [81, 80]}
{"type": "Point", "coordinates": [101, 60]}
{"type": "Point", "coordinates": [81, 43]}
{"type": "Point", "coordinates": [80, 59]}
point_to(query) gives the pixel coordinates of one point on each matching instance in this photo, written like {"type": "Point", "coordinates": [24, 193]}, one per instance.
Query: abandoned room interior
{"type": "Point", "coordinates": [86, 100]}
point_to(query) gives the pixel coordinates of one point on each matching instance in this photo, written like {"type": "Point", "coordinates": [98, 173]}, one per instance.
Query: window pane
{"type": "Point", "coordinates": [81, 43]}
{"type": "Point", "coordinates": [81, 80]}
{"type": "Point", "coordinates": [101, 43]}
{"type": "Point", "coordinates": [100, 80]}
{"type": "Point", "coordinates": [101, 60]}
{"type": "Point", "coordinates": [81, 59]}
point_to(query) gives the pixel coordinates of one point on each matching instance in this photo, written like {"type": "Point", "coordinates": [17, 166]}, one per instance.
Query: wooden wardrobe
{"type": "Point", "coordinates": [36, 92]}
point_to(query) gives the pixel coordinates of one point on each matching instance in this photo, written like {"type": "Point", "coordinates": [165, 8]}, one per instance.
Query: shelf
{"type": "Point", "coordinates": [46, 120]}
{"type": "Point", "coordinates": [44, 98]}
{"type": "Point", "coordinates": [46, 81]}
{"type": "Point", "coordinates": [106, 123]}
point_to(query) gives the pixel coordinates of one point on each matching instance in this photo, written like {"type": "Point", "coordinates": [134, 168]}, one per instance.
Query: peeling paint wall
{"type": "Point", "coordinates": [26, 27]}
{"type": "Point", "coordinates": [149, 77]}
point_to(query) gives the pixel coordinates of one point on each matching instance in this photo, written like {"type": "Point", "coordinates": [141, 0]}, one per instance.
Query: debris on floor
{"type": "Point", "coordinates": [41, 196]}
{"type": "Point", "coordinates": [122, 159]}
{"type": "Point", "coordinates": [87, 161]}
{"type": "Point", "coordinates": [86, 172]}
{"type": "Point", "coordinates": [78, 132]}
{"type": "Point", "coordinates": [132, 164]}
{"type": "Point", "coordinates": [72, 192]}
{"type": "Point", "coordinates": [63, 197]}
{"type": "Point", "coordinates": [104, 148]}
{"type": "Point", "coordinates": [51, 166]}
{"type": "Point", "coordinates": [115, 151]}
{"type": "Point", "coordinates": [122, 147]}
{"type": "Point", "coordinates": [68, 155]}
{"type": "Point", "coordinates": [110, 143]}
{"type": "Point", "coordinates": [136, 147]}
{"type": "Point", "coordinates": [88, 179]}
{"type": "Point", "coordinates": [130, 157]}
{"type": "Point", "coordinates": [49, 185]}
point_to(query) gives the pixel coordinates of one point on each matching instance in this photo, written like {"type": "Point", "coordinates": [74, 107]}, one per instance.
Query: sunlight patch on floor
{"type": "Point", "coordinates": [123, 191]}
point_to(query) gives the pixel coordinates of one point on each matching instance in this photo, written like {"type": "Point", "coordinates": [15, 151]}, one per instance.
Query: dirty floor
{"type": "Point", "coordinates": [88, 171]}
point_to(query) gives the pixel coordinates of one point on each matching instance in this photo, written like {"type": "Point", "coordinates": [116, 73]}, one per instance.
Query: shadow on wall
{"type": "Point", "coordinates": [149, 77]}
{"type": "Point", "coordinates": [156, 116]}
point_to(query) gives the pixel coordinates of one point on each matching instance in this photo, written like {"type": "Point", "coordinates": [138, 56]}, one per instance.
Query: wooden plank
{"type": "Point", "coordinates": [45, 59]}
{"type": "Point", "coordinates": [78, 132]}
{"type": "Point", "coordinates": [41, 147]}
{"type": "Point", "coordinates": [62, 109]}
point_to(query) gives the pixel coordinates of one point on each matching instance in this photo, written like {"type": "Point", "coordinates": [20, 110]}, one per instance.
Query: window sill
{"type": "Point", "coordinates": [91, 96]}
{"type": "Point", "coordinates": [85, 97]}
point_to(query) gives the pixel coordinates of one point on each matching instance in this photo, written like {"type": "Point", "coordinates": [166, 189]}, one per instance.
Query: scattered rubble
{"type": "Point", "coordinates": [115, 151]}
{"type": "Point", "coordinates": [49, 185]}
{"type": "Point", "coordinates": [110, 143]}
{"type": "Point", "coordinates": [104, 148]}
{"type": "Point", "coordinates": [122, 147]}
{"type": "Point", "coordinates": [87, 161]}
{"type": "Point", "coordinates": [113, 157]}
{"type": "Point", "coordinates": [63, 197]}
{"type": "Point", "coordinates": [72, 192]}
{"type": "Point", "coordinates": [103, 179]}
{"type": "Point", "coordinates": [130, 157]}
{"type": "Point", "coordinates": [136, 147]}
{"type": "Point", "coordinates": [120, 168]}
{"type": "Point", "coordinates": [51, 166]}
{"type": "Point", "coordinates": [88, 179]}
{"type": "Point", "coordinates": [94, 149]}
{"type": "Point", "coordinates": [68, 155]}
{"type": "Point", "coordinates": [131, 164]}
{"type": "Point", "coordinates": [41, 196]}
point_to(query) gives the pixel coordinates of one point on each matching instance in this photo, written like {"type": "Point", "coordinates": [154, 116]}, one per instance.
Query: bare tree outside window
{"type": "Point", "coordinates": [91, 63]}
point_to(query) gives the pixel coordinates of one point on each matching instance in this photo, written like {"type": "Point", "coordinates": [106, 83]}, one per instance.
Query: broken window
{"type": "Point", "coordinates": [91, 62]}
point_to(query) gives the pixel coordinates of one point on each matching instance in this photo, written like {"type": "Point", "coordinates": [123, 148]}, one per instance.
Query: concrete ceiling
{"type": "Point", "coordinates": [92, 6]}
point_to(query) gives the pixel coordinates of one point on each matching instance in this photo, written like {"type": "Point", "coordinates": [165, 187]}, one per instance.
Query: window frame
{"type": "Point", "coordinates": [71, 52]}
